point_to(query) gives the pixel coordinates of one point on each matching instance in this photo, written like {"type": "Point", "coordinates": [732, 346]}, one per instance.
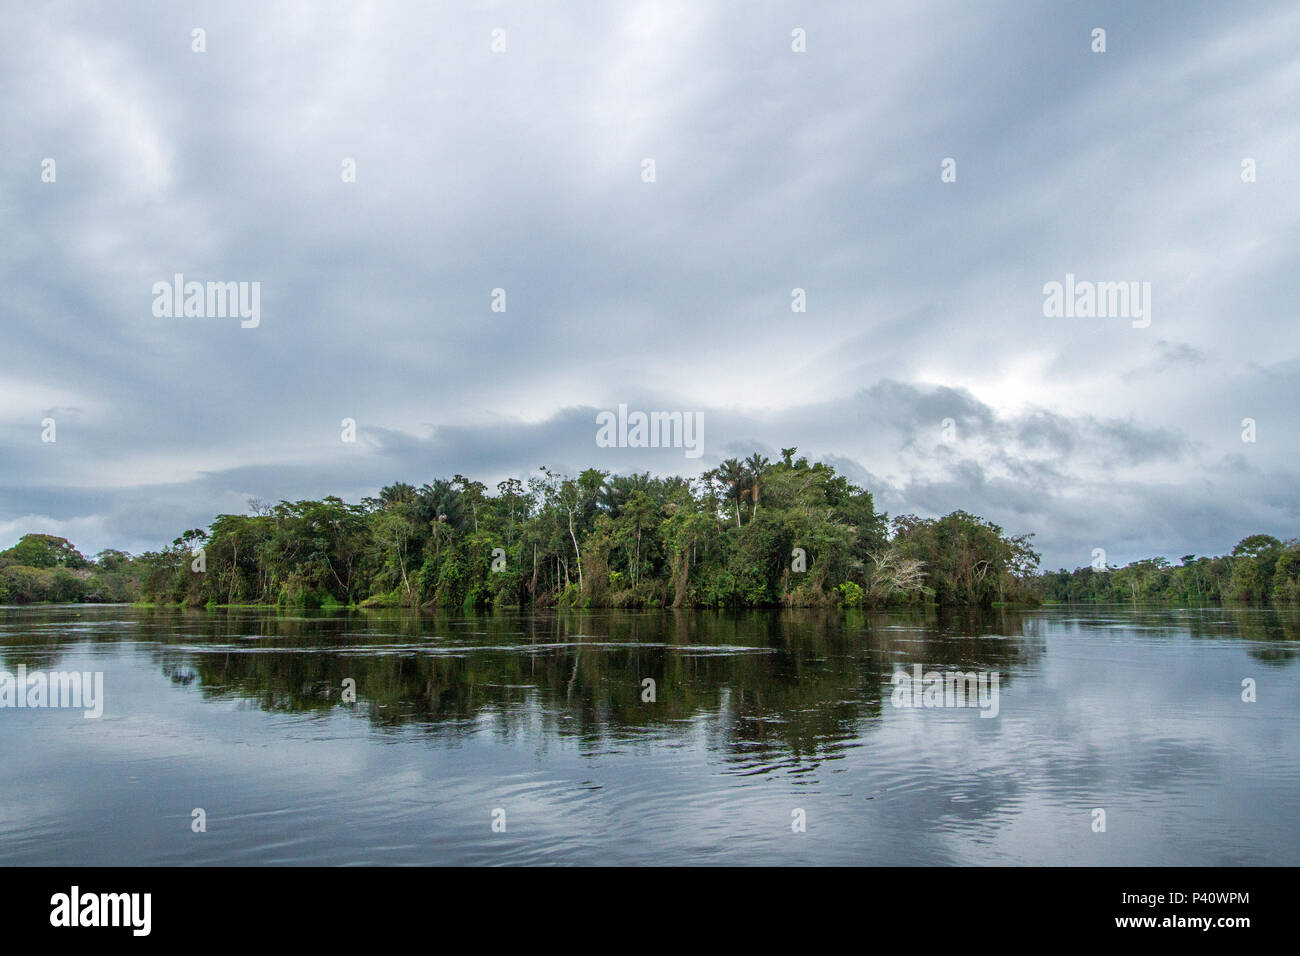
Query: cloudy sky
{"type": "Point", "coordinates": [774, 170]}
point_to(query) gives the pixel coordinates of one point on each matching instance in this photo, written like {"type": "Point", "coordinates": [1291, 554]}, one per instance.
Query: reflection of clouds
{"type": "Point", "coordinates": [1144, 721]}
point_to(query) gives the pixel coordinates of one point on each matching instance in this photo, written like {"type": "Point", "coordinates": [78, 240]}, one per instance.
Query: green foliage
{"type": "Point", "coordinates": [749, 533]}
{"type": "Point", "coordinates": [1286, 575]}
{"type": "Point", "coordinates": [851, 595]}
{"type": "Point", "coordinates": [1254, 564]}
{"type": "Point", "coordinates": [29, 585]}
{"type": "Point", "coordinates": [724, 540]}
{"type": "Point", "coordinates": [45, 568]}
{"type": "Point", "coordinates": [1260, 570]}
{"type": "Point", "coordinates": [727, 539]}
{"type": "Point", "coordinates": [966, 560]}
{"type": "Point", "coordinates": [45, 551]}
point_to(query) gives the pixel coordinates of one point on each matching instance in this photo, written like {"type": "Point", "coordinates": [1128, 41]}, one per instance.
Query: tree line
{"type": "Point", "coordinates": [46, 568]}
{"type": "Point", "coordinates": [748, 533]}
{"type": "Point", "coordinates": [1260, 570]}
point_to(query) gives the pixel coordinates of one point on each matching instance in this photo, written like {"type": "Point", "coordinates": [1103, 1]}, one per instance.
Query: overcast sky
{"type": "Point", "coordinates": [774, 170]}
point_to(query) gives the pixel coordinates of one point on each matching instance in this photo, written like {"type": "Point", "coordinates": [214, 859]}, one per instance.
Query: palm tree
{"type": "Point", "coordinates": [397, 493]}
{"type": "Point", "coordinates": [757, 465]}
{"type": "Point", "coordinates": [736, 479]}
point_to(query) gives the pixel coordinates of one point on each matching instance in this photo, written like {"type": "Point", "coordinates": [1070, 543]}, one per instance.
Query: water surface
{"type": "Point", "coordinates": [1135, 711]}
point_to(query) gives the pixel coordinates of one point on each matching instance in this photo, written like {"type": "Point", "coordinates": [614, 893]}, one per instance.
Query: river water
{"type": "Point", "coordinates": [771, 738]}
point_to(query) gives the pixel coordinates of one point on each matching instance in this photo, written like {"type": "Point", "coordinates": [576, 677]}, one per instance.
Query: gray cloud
{"type": "Point", "coordinates": [775, 170]}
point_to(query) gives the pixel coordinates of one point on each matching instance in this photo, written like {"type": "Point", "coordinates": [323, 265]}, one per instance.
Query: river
{"type": "Point", "coordinates": [655, 737]}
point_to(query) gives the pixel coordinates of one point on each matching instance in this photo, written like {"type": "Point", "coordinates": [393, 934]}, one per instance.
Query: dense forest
{"type": "Point", "coordinates": [46, 568]}
{"type": "Point", "coordinates": [751, 533]}
{"type": "Point", "coordinates": [1260, 570]}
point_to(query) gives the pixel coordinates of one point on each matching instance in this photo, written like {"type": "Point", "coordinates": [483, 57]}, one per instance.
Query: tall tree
{"type": "Point", "coordinates": [757, 465]}
{"type": "Point", "coordinates": [735, 479]}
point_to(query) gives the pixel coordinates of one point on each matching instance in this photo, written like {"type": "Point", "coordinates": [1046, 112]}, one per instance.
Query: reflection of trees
{"type": "Point", "coordinates": [1279, 633]}
{"type": "Point", "coordinates": [1280, 630]}
{"type": "Point", "coordinates": [794, 683]}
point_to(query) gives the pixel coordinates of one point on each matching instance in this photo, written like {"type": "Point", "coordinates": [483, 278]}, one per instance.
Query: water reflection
{"type": "Point", "coordinates": [754, 713]}
{"type": "Point", "coordinates": [801, 681]}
